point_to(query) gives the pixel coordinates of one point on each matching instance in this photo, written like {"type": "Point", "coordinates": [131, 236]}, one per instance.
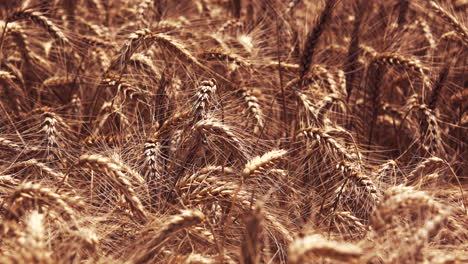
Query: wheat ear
{"type": "Point", "coordinates": [41, 20]}
{"type": "Point", "coordinates": [451, 20]}
{"type": "Point", "coordinates": [321, 247]}
{"type": "Point", "coordinates": [115, 173]}
{"type": "Point", "coordinates": [176, 223]}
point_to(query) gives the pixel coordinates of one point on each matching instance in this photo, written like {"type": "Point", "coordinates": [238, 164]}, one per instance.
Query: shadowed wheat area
{"type": "Point", "coordinates": [230, 131]}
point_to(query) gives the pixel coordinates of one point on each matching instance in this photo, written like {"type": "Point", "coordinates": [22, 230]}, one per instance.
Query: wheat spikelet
{"type": "Point", "coordinates": [368, 50]}
{"type": "Point", "coordinates": [261, 164]}
{"type": "Point", "coordinates": [321, 247]}
{"type": "Point", "coordinates": [221, 131]}
{"type": "Point", "coordinates": [129, 90]}
{"type": "Point", "coordinates": [204, 186]}
{"type": "Point", "coordinates": [341, 78]}
{"type": "Point", "coordinates": [115, 165]}
{"type": "Point", "coordinates": [93, 28]}
{"type": "Point", "coordinates": [185, 181]}
{"type": "Point", "coordinates": [221, 134]}
{"type": "Point", "coordinates": [123, 87]}
{"type": "Point", "coordinates": [176, 223]}
{"type": "Point", "coordinates": [195, 258]}
{"type": "Point", "coordinates": [107, 109]}
{"type": "Point", "coordinates": [104, 59]}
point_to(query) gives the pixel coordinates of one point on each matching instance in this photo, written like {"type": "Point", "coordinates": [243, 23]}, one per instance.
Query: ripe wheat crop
{"type": "Point", "coordinates": [234, 131]}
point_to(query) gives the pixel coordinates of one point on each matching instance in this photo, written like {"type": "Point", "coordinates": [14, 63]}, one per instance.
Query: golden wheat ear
{"type": "Point", "coordinates": [41, 20]}
{"type": "Point", "coordinates": [316, 245]}
{"type": "Point", "coordinates": [313, 37]}
{"type": "Point", "coordinates": [115, 174]}
{"type": "Point", "coordinates": [185, 219]}
{"type": "Point", "coordinates": [204, 96]}
{"type": "Point", "coordinates": [460, 30]}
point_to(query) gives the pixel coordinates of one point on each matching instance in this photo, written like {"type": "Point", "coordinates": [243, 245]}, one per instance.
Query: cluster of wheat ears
{"type": "Point", "coordinates": [229, 131]}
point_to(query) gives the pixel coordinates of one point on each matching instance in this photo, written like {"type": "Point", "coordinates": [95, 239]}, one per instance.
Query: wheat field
{"type": "Point", "coordinates": [230, 131]}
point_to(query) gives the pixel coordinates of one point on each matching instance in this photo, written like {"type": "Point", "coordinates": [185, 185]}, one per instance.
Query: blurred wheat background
{"type": "Point", "coordinates": [229, 131]}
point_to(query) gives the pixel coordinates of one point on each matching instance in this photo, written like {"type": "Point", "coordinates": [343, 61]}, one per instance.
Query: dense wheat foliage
{"type": "Point", "coordinates": [229, 131]}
